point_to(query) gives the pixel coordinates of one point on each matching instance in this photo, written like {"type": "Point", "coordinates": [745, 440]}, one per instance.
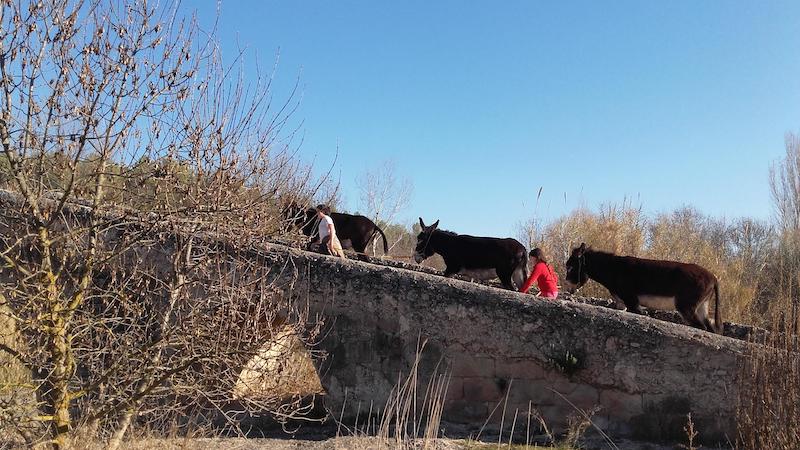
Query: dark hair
{"type": "Point", "coordinates": [538, 254]}
{"type": "Point", "coordinates": [324, 209]}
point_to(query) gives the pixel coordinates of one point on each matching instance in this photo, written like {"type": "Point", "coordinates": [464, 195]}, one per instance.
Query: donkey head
{"type": "Point", "coordinates": [576, 275]}
{"type": "Point", "coordinates": [423, 250]}
{"type": "Point", "coordinates": [300, 217]}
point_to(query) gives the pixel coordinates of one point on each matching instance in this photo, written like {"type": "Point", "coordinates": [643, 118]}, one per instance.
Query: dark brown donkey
{"type": "Point", "coordinates": [353, 231]}
{"type": "Point", "coordinates": [667, 285]}
{"type": "Point", "coordinates": [477, 257]}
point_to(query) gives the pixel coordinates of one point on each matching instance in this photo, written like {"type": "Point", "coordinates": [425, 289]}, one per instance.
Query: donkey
{"type": "Point", "coordinates": [477, 257]}
{"type": "Point", "coordinates": [353, 231]}
{"type": "Point", "coordinates": [666, 285]}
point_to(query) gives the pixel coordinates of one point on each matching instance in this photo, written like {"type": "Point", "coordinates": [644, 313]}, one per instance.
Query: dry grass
{"type": "Point", "coordinates": [485, 446]}
{"type": "Point", "coordinates": [537, 433]}
{"type": "Point", "coordinates": [411, 417]}
{"type": "Point", "coordinates": [768, 415]}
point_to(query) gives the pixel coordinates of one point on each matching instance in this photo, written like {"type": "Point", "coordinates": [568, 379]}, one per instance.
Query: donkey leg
{"type": "Point", "coordinates": [518, 277]}
{"type": "Point", "coordinates": [631, 303]}
{"type": "Point", "coordinates": [691, 318]}
{"type": "Point", "coordinates": [449, 271]}
{"type": "Point", "coordinates": [688, 312]}
{"type": "Point", "coordinates": [702, 312]}
{"type": "Point", "coordinates": [618, 302]}
{"type": "Point", "coordinates": [360, 248]}
{"type": "Point", "coordinates": [505, 278]}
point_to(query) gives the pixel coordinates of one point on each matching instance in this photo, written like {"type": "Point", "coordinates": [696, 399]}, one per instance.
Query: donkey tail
{"type": "Point", "coordinates": [385, 245]}
{"type": "Point", "coordinates": [720, 327]}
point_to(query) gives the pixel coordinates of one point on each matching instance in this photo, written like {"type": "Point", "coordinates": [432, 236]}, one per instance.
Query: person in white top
{"type": "Point", "coordinates": [327, 232]}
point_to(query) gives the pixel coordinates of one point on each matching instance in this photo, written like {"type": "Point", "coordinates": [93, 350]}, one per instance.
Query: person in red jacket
{"type": "Point", "coordinates": [543, 275]}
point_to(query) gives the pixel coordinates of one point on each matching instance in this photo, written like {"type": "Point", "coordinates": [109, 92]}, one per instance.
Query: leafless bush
{"type": "Point", "coordinates": [383, 194]}
{"type": "Point", "coordinates": [141, 171]}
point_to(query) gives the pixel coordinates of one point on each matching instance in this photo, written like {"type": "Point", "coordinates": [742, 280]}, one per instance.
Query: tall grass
{"type": "Point", "coordinates": [768, 415]}
{"type": "Point", "coordinates": [411, 416]}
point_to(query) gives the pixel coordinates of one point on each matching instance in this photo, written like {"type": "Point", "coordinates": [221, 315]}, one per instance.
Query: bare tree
{"type": "Point", "coordinates": [141, 172]}
{"type": "Point", "coordinates": [784, 178]}
{"type": "Point", "coordinates": [784, 182]}
{"type": "Point", "coordinates": [530, 232]}
{"type": "Point", "coordinates": [383, 193]}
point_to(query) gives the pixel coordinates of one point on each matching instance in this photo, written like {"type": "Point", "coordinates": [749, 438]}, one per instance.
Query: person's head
{"type": "Point", "coordinates": [323, 210]}
{"type": "Point", "coordinates": [537, 255]}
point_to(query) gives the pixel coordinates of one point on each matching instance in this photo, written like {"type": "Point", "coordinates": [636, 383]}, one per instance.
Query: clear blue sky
{"type": "Point", "coordinates": [481, 103]}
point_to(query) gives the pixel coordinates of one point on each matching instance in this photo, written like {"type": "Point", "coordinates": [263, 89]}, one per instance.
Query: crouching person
{"type": "Point", "coordinates": [327, 232]}
{"type": "Point", "coordinates": [543, 275]}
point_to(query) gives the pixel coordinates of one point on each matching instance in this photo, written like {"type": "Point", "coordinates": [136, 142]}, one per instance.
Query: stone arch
{"type": "Point", "coordinates": [283, 368]}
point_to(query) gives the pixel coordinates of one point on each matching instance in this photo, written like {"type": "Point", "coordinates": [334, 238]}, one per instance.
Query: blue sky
{"type": "Point", "coordinates": [482, 103]}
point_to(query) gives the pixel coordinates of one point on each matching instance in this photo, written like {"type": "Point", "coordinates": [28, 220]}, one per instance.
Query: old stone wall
{"type": "Point", "coordinates": [503, 348]}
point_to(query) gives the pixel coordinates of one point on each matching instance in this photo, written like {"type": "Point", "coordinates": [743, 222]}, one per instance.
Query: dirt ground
{"type": "Point", "coordinates": [363, 443]}
{"type": "Point", "coordinates": [329, 437]}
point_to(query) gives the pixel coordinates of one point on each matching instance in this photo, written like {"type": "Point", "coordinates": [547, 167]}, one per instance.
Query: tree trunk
{"type": "Point", "coordinates": [60, 353]}
{"type": "Point", "coordinates": [61, 399]}
{"type": "Point", "coordinates": [124, 423]}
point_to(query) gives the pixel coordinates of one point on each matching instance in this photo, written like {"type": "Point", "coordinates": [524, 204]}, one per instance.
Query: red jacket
{"type": "Point", "coordinates": [545, 277]}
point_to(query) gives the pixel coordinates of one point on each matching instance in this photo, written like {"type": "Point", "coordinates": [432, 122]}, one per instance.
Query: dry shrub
{"type": "Point", "coordinates": [768, 414]}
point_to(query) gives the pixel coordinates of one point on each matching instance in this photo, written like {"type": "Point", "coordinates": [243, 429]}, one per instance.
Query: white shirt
{"type": "Point", "coordinates": [323, 227]}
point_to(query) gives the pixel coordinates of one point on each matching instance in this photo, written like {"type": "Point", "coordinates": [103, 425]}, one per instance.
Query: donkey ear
{"type": "Point", "coordinates": [421, 223]}
{"type": "Point", "coordinates": [582, 248]}
{"type": "Point", "coordinates": [435, 224]}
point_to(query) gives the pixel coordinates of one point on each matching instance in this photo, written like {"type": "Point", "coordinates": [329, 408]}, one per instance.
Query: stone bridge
{"type": "Point", "coordinates": [505, 351]}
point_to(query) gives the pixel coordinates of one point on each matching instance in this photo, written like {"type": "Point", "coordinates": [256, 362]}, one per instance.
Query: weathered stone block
{"type": "Point", "coordinates": [620, 404]}
{"type": "Point", "coordinates": [584, 396]}
{"type": "Point", "coordinates": [520, 370]}
{"type": "Point", "coordinates": [561, 384]}
{"type": "Point", "coordinates": [455, 390]}
{"type": "Point", "coordinates": [483, 389]}
{"type": "Point", "coordinates": [466, 411]}
{"type": "Point", "coordinates": [464, 365]}
{"type": "Point", "coordinates": [557, 417]}
{"type": "Point", "coordinates": [536, 391]}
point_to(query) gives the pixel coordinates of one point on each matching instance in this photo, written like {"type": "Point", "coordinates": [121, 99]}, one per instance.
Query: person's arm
{"type": "Point", "coordinates": [537, 271]}
{"type": "Point", "coordinates": [329, 238]}
{"type": "Point", "coordinates": [316, 237]}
